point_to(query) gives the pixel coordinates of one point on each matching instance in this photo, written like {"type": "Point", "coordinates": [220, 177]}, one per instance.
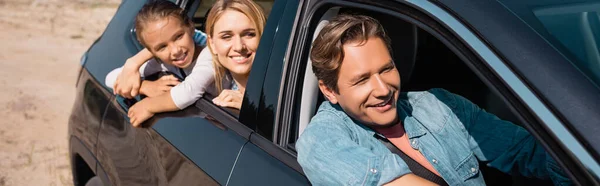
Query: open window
{"type": "Point", "coordinates": [427, 56]}
{"type": "Point", "coordinates": [200, 9]}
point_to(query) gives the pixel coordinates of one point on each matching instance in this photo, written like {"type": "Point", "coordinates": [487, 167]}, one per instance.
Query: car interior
{"type": "Point", "coordinates": [424, 62]}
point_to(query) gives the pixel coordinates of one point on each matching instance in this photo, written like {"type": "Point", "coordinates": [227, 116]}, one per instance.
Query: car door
{"type": "Point", "coordinates": [541, 119]}
{"type": "Point", "coordinates": [263, 161]}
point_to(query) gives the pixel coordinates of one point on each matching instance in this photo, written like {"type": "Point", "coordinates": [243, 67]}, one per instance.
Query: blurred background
{"type": "Point", "coordinates": [41, 43]}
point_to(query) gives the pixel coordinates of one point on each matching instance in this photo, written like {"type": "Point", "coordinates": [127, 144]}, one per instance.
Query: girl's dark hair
{"type": "Point", "coordinates": [158, 10]}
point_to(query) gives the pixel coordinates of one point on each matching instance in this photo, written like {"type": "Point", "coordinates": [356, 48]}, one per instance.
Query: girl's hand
{"type": "Point", "coordinates": [229, 98]}
{"type": "Point", "coordinates": [138, 113]}
{"type": "Point", "coordinates": [128, 81]}
{"type": "Point", "coordinates": [158, 87]}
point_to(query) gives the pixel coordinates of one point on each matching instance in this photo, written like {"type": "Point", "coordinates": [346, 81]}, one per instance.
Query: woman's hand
{"type": "Point", "coordinates": [158, 87]}
{"type": "Point", "coordinates": [229, 98]}
{"type": "Point", "coordinates": [128, 81]}
{"type": "Point", "coordinates": [138, 113]}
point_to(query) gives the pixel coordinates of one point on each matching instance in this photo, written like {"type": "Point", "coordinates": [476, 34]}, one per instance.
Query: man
{"type": "Point", "coordinates": [444, 133]}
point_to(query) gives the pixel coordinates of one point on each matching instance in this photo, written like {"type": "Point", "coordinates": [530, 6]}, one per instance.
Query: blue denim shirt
{"type": "Point", "coordinates": [450, 131]}
{"type": "Point", "coordinates": [199, 37]}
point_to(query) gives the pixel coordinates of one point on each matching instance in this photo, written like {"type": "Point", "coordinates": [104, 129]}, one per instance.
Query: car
{"type": "Point", "coordinates": [535, 63]}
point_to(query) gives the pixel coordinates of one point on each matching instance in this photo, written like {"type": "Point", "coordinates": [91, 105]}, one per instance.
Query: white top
{"type": "Point", "coordinates": [199, 79]}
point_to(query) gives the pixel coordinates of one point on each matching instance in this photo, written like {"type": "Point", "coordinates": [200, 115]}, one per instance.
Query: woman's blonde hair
{"type": "Point", "coordinates": [247, 7]}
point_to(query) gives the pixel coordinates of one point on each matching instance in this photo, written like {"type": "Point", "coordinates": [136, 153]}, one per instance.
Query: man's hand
{"type": "Point", "coordinates": [138, 113]}
{"type": "Point", "coordinates": [158, 87]}
{"type": "Point", "coordinates": [128, 81]}
{"type": "Point", "coordinates": [229, 98]}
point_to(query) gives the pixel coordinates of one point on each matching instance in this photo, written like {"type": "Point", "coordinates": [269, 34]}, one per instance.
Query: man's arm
{"type": "Point", "coordinates": [506, 146]}
{"type": "Point", "coordinates": [329, 156]}
{"type": "Point", "coordinates": [410, 179]}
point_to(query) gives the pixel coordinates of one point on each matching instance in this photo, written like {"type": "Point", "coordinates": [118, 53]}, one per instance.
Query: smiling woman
{"type": "Point", "coordinates": [234, 29]}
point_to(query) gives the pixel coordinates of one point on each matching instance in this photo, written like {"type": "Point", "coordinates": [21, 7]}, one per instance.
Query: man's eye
{"type": "Point", "coordinates": [179, 36]}
{"type": "Point", "coordinates": [360, 81]}
{"type": "Point", "coordinates": [161, 48]}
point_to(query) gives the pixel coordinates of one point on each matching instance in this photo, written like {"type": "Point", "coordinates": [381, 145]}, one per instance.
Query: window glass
{"type": "Point", "coordinates": [573, 28]}
{"type": "Point", "coordinates": [205, 5]}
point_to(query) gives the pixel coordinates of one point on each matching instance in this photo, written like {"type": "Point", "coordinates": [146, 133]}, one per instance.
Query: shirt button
{"type": "Point", "coordinates": [414, 142]}
{"type": "Point", "coordinates": [374, 171]}
{"type": "Point", "coordinates": [434, 161]}
{"type": "Point", "coordinates": [473, 170]}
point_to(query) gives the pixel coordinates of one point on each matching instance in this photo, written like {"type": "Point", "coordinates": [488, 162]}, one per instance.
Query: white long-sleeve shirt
{"type": "Point", "coordinates": [199, 78]}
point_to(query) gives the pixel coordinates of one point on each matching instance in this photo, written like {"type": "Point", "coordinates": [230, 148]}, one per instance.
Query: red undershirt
{"type": "Point", "coordinates": [398, 137]}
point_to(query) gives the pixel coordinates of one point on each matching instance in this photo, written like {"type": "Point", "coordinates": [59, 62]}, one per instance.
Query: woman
{"type": "Point", "coordinates": [234, 29]}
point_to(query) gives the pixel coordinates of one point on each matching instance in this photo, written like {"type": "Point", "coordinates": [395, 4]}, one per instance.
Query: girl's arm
{"type": "Point", "coordinates": [128, 82]}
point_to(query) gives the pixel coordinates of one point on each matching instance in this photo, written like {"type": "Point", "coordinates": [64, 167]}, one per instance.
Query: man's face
{"type": "Point", "coordinates": [368, 84]}
{"type": "Point", "coordinates": [170, 41]}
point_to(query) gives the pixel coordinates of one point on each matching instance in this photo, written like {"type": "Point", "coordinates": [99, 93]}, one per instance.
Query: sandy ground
{"type": "Point", "coordinates": [41, 42]}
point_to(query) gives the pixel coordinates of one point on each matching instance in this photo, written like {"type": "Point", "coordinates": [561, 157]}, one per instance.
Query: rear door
{"type": "Point", "coordinates": [262, 161]}
{"type": "Point", "coordinates": [188, 147]}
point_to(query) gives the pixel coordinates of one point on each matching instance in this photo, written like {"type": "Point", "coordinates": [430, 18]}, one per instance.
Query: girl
{"type": "Point", "coordinates": [234, 29]}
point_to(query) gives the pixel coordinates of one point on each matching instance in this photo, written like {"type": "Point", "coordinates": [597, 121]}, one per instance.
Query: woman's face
{"type": "Point", "coordinates": [234, 40]}
{"type": "Point", "coordinates": [170, 40]}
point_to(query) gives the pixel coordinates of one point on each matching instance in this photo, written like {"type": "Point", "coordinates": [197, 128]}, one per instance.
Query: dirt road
{"type": "Point", "coordinates": [41, 44]}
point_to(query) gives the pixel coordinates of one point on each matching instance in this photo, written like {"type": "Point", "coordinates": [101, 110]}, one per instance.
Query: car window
{"type": "Point", "coordinates": [428, 63]}
{"type": "Point", "coordinates": [201, 11]}
{"type": "Point", "coordinates": [200, 14]}
{"type": "Point", "coordinates": [571, 27]}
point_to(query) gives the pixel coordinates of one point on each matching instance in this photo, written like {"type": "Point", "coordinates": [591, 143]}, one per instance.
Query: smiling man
{"type": "Point", "coordinates": [441, 134]}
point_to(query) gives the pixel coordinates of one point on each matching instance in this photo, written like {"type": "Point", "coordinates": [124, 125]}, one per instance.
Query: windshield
{"type": "Point", "coordinates": [572, 27]}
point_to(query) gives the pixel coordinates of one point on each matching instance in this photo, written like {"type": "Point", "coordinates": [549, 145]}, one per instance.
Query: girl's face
{"type": "Point", "coordinates": [170, 40]}
{"type": "Point", "coordinates": [234, 40]}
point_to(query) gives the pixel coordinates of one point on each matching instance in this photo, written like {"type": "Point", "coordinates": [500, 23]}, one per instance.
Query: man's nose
{"type": "Point", "coordinates": [380, 88]}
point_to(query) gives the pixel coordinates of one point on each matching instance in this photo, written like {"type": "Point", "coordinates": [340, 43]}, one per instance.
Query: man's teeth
{"type": "Point", "coordinates": [383, 103]}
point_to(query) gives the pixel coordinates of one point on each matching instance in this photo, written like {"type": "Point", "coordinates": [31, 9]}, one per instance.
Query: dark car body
{"type": "Point", "coordinates": [489, 48]}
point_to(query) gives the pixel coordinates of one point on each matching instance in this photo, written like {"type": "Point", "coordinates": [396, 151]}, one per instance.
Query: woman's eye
{"type": "Point", "coordinates": [226, 37]}
{"type": "Point", "coordinates": [250, 34]}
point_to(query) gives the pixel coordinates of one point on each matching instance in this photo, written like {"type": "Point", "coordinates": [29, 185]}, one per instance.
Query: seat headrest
{"type": "Point", "coordinates": [404, 45]}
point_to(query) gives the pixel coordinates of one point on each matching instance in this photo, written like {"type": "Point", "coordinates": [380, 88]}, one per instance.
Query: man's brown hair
{"type": "Point", "coordinates": [327, 50]}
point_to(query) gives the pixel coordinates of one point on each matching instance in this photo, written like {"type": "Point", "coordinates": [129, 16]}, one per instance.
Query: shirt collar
{"type": "Point", "coordinates": [413, 127]}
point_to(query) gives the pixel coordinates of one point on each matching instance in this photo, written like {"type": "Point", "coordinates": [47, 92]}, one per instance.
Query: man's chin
{"type": "Point", "coordinates": [383, 125]}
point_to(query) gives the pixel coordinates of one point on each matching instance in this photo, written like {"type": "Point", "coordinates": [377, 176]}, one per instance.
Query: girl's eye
{"type": "Point", "coordinates": [161, 48]}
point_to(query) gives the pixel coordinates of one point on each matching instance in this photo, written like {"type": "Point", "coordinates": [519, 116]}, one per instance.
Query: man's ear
{"type": "Point", "coordinates": [329, 94]}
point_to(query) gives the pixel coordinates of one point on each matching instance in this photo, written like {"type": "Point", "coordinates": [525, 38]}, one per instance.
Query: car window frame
{"type": "Point", "coordinates": [495, 82]}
